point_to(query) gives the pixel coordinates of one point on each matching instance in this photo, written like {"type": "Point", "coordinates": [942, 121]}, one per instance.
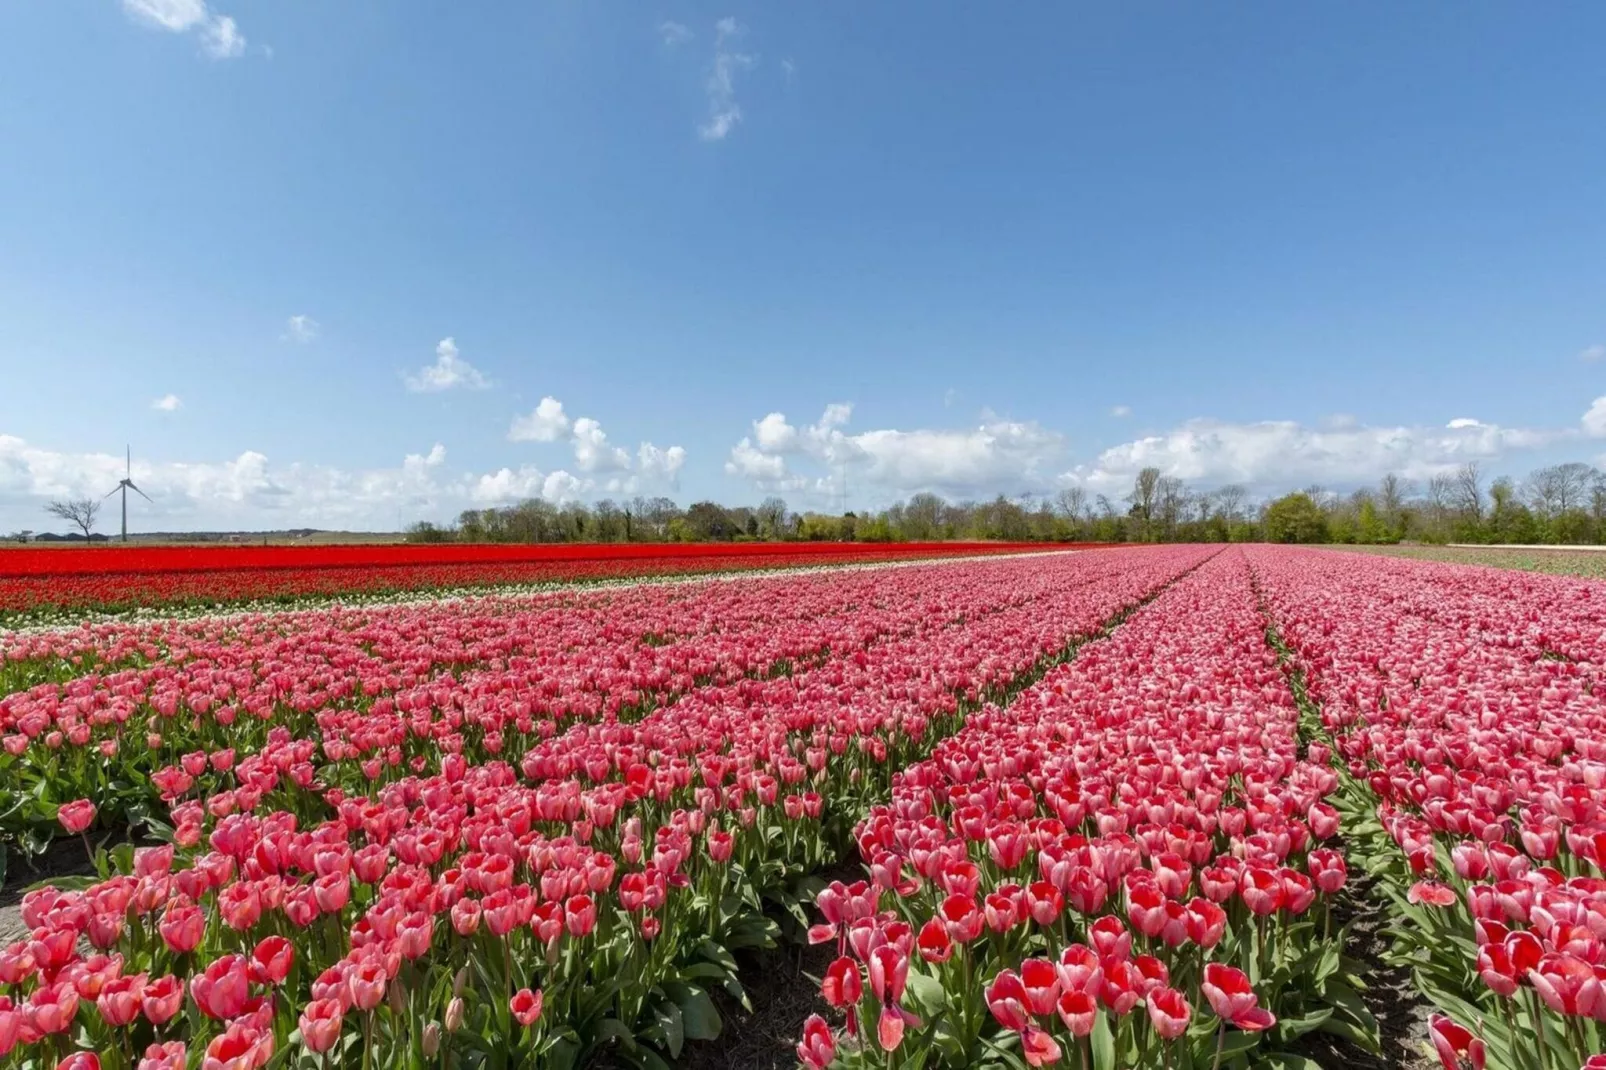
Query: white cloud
{"type": "Point", "coordinates": [546, 423]}
{"type": "Point", "coordinates": [998, 455]}
{"type": "Point", "coordinates": [774, 434]}
{"type": "Point", "coordinates": [673, 33]}
{"type": "Point", "coordinates": [247, 491]}
{"type": "Point", "coordinates": [507, 485]}
{"type": "Point", "coordinates": [300, 328]}
{"type": "Point", "coordinates": [448, 371]}
{"type": "Point", "coordinates": [723, 110]}
{"type": "Point", "coordinates": [1119, 411]}
{"type": "Point", "coordinates": [592, 453]}
{"type": "Point", "coordinates": [221, 38]}
{"type": "Point", "coordinates": [1595, 419]}
{"type": "Point", "coordinates": [754, 464]}
{"type": "Point", "coordinates": [1276, 454]}
{"type": "Point", "coordinates": [560, 486]}
{"type": "Point", "coordinates": [175, 15]}
{"type": "Point", "coordinates": [219, 34]}
{"type": "Point", "coordinates": [656, 465]}
{"type": "Point", "coordinates": [1593, 354]}
{"type": "Point", "coordinates": [167, 403]}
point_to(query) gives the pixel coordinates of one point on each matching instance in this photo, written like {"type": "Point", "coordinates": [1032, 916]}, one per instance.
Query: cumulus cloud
{"type": "Point", "coordinates": [249, 491]}
{"type": "Point", "coordinates": [592, 452]}
{"type": "Point", "coordinates": [723, 110]}
{"type": "Point", "coordinates": [997, 454]}
{"type": "Point", "coordinates": [594, 455]}
{"type": "Point", "coordinates": [219, 35]}
{"type": "Point", "coordinates": [660, 466]}
{"type": "Point", "coordinates": [167, 403]}
{"type": "Point", "coordinates": [507, 485]}
{"type": "Point", "coordinates": [300, 328]}
{"type": "Point", "coordinates": [547, 422]}
{"type": "Point", "coordinates": [1595, 419]}
{"type": "Point", "coordinates": [1275, 454]}
{"type": "Point", "coordinates": [447, 373]}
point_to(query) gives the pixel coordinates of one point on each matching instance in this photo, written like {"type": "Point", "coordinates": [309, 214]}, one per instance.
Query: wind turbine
{"type": "Point", "coordinates": [125, 485]}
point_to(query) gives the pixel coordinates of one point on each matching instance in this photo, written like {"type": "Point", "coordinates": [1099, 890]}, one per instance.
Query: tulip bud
{"type": "Point", "coordinates": [454, 1014]}
{"type": "Point", "coordinates": [397, 997]}
{"type": "Point", "coordinates": [432, 1039]}
{"type": "Point", "coordinates": [459, 981]}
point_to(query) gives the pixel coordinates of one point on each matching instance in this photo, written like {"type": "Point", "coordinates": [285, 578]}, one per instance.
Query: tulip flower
{"type": "Point", "coordinates": [76, 816]}
{"type": "Point", "coordinates": [818, 1047]}
{"type": "Point", "coordinates": [526, 1007]}
{"type": "Point", "coordinates": [1452, 1041]}
{"type": "Point", "coordinates": [320, 1024]}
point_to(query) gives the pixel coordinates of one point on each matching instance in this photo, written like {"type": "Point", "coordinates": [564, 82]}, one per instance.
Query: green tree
{"type": "Point", "coordinates": [1295, 518]}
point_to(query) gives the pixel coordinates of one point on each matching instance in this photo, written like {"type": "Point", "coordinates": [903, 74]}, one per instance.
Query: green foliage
{"type": "Point", "coordinates": [1295, 518]}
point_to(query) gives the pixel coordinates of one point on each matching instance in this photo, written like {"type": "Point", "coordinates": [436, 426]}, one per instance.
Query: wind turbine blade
{"type": "Point", "coordinates": [128, 462]}
{"type": "Point", "coordinates": [114, 490]}
{"type": "Point", "coordinates": [141, 493]}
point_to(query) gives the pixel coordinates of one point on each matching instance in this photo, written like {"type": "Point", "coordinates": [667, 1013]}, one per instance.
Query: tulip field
{"type": "Point", "coordinates": [59, 582]}
{"type": "Point", "coordinates": [1097, 809]}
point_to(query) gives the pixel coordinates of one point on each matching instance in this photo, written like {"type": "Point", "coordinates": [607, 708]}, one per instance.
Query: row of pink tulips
{"type": "Point", "coordinates": [412, 839]}
{"type": "Point", "coordinates": [1465, 712]}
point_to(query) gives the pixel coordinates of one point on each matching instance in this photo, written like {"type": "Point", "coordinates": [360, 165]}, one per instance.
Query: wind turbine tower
{"type": "Point", "coordinates": [125, 485]}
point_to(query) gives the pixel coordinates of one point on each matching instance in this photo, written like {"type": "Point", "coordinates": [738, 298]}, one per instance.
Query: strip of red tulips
{"type": "Point", "coordinates": [117, 578]}
{"type": "Point", "coordinates": [1466, 714]}
{"type": "Point", "coordinates": [1129, 865]}
{"type": "Point", "coordinates": [508, 832]}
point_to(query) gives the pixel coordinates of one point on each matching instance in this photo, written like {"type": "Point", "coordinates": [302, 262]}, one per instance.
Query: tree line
{"type": "Point", "coordinates": [1562, 504]}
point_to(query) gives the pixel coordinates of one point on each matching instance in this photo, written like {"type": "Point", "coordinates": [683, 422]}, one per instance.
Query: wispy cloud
{"type": "Point", "coordinates": [1121, 410]}
{"type": "Point", "coordinates": [301, 329]}
{"type": "Point", "coordinates": [723, 110]}
{"type": "Point", "coordinates": [167, 403]}
{"type": "Point", "coordinates": [673, 33]}
{"type": "Point", "coordinates": [219, 35]}
{"type": "Point", "coordinates": [447, 373]}
{"type": "Point", "coordinates": [1593, 355]}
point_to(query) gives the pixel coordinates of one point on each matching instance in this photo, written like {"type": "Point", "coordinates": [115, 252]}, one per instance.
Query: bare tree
{"type": "Point", "coordinates": [1142, 497]}
{"type": "Point", "coordinates": [1560, 488]}
{"type": "Point", "coordinates": [1468, 490]}
{"type": "Point", "coordinates": [1230, 501]}
{"type": "Point", "coordinates": [1072, 502]}
{"type": "Point", "coordinates": [78, 511]}
{"type": "Point", "coordinates": [1171, 502]}
{"type": "Point", "coordinates": [1391, 494]}
{"type": "Point", "coordinates": [772, 513]}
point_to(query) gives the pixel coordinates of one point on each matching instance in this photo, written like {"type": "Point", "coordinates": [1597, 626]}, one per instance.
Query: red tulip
{"type": "Point", "coordinates": [1169, 1012]}
{"type": "Point", "coordinates": [1431, 893]}
{"type": "Point", "coordinates": [161, 999]}
{"type": "Point", "coordinates": [320, 1024]}
{"type": "Point", "coordinates": [843, 983]}
{"type": "Point", "coordinates": [271, 961]}
{"type": "Point", "coordinates": [77, 816]}
{"type": "Point", "coordinates": [222, 990]}
{"type": "Point", "coordinates": [818, 1047]}
{"type": "Point", "coordinates": [1452, 1041]}
{"type": "Point", "coordinates": [526, 1007]}
{"type": "Point", "coordinates": [934, 943]}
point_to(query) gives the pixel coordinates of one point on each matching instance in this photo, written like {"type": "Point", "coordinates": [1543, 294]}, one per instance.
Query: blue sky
{"type": "Point", "coordinates": [969, 248]}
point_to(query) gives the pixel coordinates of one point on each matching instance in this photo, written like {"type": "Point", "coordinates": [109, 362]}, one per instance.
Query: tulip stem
{"type": "Point", "coordinates": [1539, 1028]}
{"type": "Point", "coordinates": [1221, 1044]}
